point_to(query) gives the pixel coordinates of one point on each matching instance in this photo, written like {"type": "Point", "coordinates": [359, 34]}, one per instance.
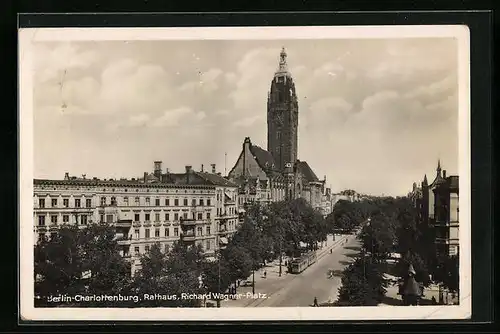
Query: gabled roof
{"type": "Point", "coordinates": [306, 171]}
{"type": "Point", "coordinates": [438, 180]}
{"type": "Point", "coordinates": [263, 157]}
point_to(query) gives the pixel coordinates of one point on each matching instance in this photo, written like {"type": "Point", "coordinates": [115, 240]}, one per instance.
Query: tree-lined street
{"type": "Point", "coordinates": [349, 271]}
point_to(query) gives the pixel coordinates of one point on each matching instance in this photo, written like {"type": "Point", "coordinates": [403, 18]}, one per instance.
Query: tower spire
{"type": "Point", "coordinates": [438, 169]}
{"type": "Point", "coordinates": [283, 66]}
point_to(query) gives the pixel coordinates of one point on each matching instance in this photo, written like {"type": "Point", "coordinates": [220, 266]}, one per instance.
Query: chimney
{"type": "Point", "coordinates": [145, 177]}
{"type": "Point", "coordinates": [213, 168]}
{"type": "Point", "coordinates": [157, 169]}
{"type": "Point", "coordinates": [202, 168]}
{"type": "Point", "coordinates": [444, 174]}
{"type": "Point", "coordinates": [188, 171]}
{"type": "Point", "coordinates": [66, 176]}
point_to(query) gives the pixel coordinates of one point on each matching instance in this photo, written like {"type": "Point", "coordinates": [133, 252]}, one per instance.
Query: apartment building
{"type": "Point", "coordinates": [197, 206]}
{"type": "Point", "coordinates": [438, 206]}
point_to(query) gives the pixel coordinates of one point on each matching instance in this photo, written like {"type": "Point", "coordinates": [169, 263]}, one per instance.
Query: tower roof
{"type": "Point", "coordinates": [283, 66]}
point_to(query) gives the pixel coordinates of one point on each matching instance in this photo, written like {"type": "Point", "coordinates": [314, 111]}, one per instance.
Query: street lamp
{"type": "Point", "coordinates": [218, 277]}
{"type": "Point", "coordinates": [253, 280]}
{"type": "Point", "coordinates": [281, 254]}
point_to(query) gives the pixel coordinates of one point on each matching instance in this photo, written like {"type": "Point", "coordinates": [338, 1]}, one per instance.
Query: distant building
{"type": "Point", "coordinates": [345, 195]}
{"type": "Point", "coordinates": [199, 207]}
{"type": "Point", "coordinates": [438, 205]}
{"type": "Point", "coordinates": [277, 174]}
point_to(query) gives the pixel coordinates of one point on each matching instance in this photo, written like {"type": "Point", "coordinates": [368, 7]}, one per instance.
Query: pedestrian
{"type": "Point", "coordinates": [433, 300]}
{"type": "Point", "coordinates": [315, 303]}
{"type": "Point", "coordinates": [265, 274]}
{"type": "Point", "coordinates": [331, 251]}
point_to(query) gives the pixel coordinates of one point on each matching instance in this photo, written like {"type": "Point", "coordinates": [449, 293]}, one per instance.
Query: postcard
{"type": "Point", "coordinates": [245, 173]}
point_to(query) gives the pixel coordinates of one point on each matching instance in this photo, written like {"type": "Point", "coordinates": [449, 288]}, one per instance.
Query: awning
{"type": "Point", "coordinates": [223, 241]}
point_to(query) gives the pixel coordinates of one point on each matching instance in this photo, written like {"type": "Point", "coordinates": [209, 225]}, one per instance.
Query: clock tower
{"type": "Point", "coordinates": [282, 117]}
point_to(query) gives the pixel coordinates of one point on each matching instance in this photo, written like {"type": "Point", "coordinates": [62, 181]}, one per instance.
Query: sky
{"type": "Point", "coordinates": [375, 115]}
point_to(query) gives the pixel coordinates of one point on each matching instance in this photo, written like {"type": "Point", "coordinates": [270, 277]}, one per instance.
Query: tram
{"type": "Point", "coordinates": [299, 265]}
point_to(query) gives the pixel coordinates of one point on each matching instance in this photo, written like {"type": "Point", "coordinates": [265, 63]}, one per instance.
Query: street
{"type": "Point", "coordinates": [314, 282]}
{"type": "Point", "coordinates": [299, 290]}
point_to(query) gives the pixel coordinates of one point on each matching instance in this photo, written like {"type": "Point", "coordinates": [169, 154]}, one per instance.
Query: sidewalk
{"type": "Point", "coordinates": [273, 282]}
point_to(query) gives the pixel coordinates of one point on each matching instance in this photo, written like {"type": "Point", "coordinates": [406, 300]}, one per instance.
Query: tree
{"type": "Point", "coordinates": [170, 276]}
{"type": "Point", "coordinates": [238, 262]}
{"type": "Point", "coordinates": [58, 265]}
{"type": "Point", "coordinates": [249, 237]}
{"type": "Point", "coordinates": [447, 272]}
{"type": "Point", "coordinates": [363, 283]}
{"type": "Point", "coordinates": [109, 272]}
{"type": "Point", "coordinates": [379, 236]}
{"type": "Point", "coordinates": [212, 272]}
{"type": "Point", "coordinates": [80, 261]}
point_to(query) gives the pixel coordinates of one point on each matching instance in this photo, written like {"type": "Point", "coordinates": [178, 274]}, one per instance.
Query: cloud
{"type": "Point", "coordinates": [172, 117]}
{"type": "Point", "coordinates": [248, 121]}
{"type": "Point", "coordinates": [251, 87]}
{"type": "Point", "coordinates": [139, 120]}
{"type": "Point", "coordinates": [334, 109]}
{"type": "Point", "coordinates": [374, 123]}
{"type": "Point", "coordinates": [436, 90]}
{"type": "Point", "coordinates": [52, 61]}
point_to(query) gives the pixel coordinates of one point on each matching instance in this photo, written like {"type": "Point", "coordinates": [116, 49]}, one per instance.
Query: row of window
{"type": "Point", "coordinates": [230, 211]}
{"type": "Point", "coordinates": [137, 249]}
{"type": "Point", "coordinates": [83, 219]}
{"type": "Point", "coordinates": [54, 219]}
{"type": "Point", "coordinates": [137, 201]}
{"type": "Point", "coordinates": [167, 216]}
{"type": "Point", "coordinates": [157, 201]}
{"type": "Point", "coordinates": [55, 203]}
{"type": "Point", "coordinates": [200, 231]}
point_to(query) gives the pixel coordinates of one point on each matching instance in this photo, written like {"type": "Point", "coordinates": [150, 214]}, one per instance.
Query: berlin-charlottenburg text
{"type": "Point", "coordinates": [246, 173]}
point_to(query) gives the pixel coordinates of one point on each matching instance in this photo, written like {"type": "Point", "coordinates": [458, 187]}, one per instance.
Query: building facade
{"type": "Point", "coordinates": [438, 206]}
{"type": "Point", "coordinates": [277, 174]}
{"type": "Point", "coordinates": [199, 207]}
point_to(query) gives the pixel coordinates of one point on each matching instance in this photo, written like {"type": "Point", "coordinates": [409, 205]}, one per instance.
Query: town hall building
{"type": "Point", "coordinates": [277, 174]}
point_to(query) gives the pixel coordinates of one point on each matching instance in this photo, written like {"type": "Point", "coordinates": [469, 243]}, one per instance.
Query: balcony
{"type": "Point", "coordinates": [189, 236]}
{"type": "Point", "coordinates": [136, 224]}
{"type": "Point", "coordinates": [198, 208]}
{"type": "Point", "coordinates": [188, 221]}
{"type": "Point", "coordinates": [157, 224]}
{"type": "Point", "coordinates": [124, 223]}
{"type": "Point", "coordinates": [124, 240]}
{"type": "Point", "coordinates": [106, 210]}
{"type": "Point", "coordinates": [147, 223]}
{"type": "Point", "coordinates": [41, 228]}
{"type": "Point", "coordinates": [192, 221]}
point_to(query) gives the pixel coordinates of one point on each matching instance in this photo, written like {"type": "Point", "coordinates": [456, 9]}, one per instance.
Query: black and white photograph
{"type": "Point", "coordinates": [299, 173]}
